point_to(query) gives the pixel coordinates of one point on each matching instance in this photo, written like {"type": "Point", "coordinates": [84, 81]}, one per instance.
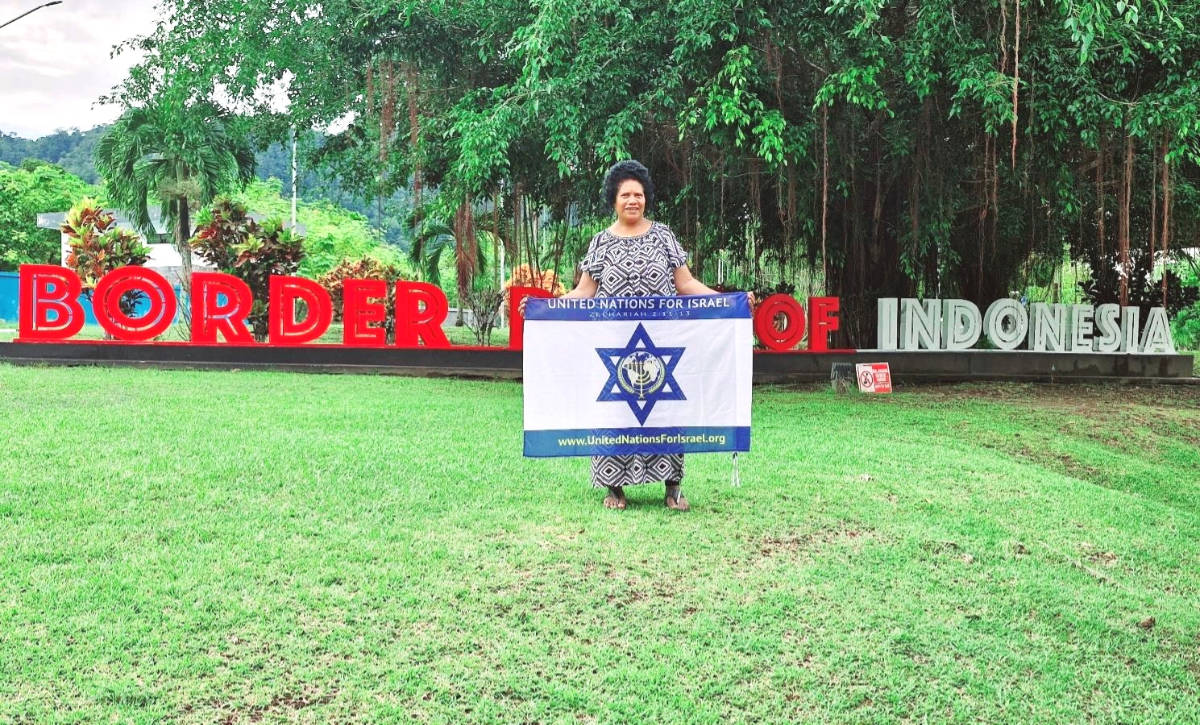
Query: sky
{"type": "Point", "coordinates": [55, 63]}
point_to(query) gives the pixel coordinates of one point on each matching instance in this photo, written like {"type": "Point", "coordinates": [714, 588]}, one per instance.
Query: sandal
{"type": "Point", "coordinates": [677, 502]}
{"type": "Point", "coordinates": [615, 499]}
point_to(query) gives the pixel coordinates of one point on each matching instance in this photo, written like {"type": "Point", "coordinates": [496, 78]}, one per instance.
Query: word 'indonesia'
{"type": "Point", "coordinates": [911, 324]}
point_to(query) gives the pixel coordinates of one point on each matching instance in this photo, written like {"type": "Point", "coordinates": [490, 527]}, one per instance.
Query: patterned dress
{"type": "Point", "coordinates": [635, 267]}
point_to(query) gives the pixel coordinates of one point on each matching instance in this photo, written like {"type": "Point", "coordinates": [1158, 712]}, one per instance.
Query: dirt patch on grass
{"type": "Point", "coordinates": [794, 544]}
{"type": "Point", "coordinates": [1080, 396]}
{"type": "Point", "coordinates": [282, 706]}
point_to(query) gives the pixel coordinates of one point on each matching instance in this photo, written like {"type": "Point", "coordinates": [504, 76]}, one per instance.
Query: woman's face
{"type": "Point", "coordinates": [631, 201]}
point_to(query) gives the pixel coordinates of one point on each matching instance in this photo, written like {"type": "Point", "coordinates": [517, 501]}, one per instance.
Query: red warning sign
{"type": "Point", "coordinates": [874, 377]}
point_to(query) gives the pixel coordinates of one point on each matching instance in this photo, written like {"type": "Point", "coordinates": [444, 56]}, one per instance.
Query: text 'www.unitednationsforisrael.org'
{"type": "Point", "coordinates": [625, 439]}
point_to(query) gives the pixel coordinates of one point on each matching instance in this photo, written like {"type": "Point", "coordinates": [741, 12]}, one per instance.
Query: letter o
{"type": "Point", "coordinates": [993, 323]}
{"type": "Point", "coordinates": [115, 285]}
{"type": "Point", "coordinates": [775, 338]}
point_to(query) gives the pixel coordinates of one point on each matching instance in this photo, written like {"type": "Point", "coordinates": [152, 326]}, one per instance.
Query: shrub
{"type": "Point", "coordinates": [1185, 324]}
{"type": "Point", "coordinates": [1185, 328]}
{"type": "Point", "coordinates": [236, 244]}
{"type": "Point", "coordinates": [485, 313]}
{"type": "Point", "coordinates": [365, 268]}
{"type": "Point", "coordinates": [98, 247]}
{"type": "Point", "coordinates": [547, 279]}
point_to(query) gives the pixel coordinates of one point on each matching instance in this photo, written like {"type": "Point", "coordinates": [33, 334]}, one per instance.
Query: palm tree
{"type": "Point", "coordinates": [182, 155]}
{"type": "Point", "coordinates": [432, 238]}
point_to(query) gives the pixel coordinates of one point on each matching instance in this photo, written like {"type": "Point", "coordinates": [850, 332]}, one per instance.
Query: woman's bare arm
{"type": "Point", "coordinates": [686, 284]}
{"type": "Point", "coordinates": [587, 287]}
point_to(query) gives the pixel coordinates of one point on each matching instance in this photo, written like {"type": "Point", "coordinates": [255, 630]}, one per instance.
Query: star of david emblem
{"type": "Point", "coordinates": [640, 374]}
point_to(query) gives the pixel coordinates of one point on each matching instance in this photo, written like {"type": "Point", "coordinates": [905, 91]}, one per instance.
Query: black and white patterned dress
{"type": "Point", "coordinates": [635, 267]}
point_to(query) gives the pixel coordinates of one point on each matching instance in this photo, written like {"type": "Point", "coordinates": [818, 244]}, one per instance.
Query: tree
{"type": "Point", "coordinates": [182, 155]}
{"type": "Point", "coordinates": [468, 244]}
{"type": "Point", "coordinates": [34, 188]}
{"type": "Point", "coordinates": [331, 233]}
{"type": "Point", "coordinates": [866, 147]}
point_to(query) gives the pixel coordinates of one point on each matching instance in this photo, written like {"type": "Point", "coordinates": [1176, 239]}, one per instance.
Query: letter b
{"type": "Point", "coordinates": [49, 303]}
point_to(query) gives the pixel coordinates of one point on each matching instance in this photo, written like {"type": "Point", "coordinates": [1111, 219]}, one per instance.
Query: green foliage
{"type": "Point", "coordinates": [182, 154]}
{"type": "Point", "coordinates": [72, 150]}
{"type": "Point", "coordinates": [98, 245]}
{"type": "Point", "coordinates": [1185, 325]}
{"type": "Point", "coordinates": [876, 146]}
{"type": "Point", "coordinates": [331, 233]}
{"type": "Point", "coordinates": [1185, 328]}
{"type": "Point", "coordinates": [484, 305]}
{"type": "Point", "coordinates": [319, 181]}
{"type": "Point", "coordinates": [457, 249]}
{"type": "Point", "coordinates": [235, 244]}
{"type": "Point", "coordinates": [25, 192]}
{"type": "Point", "coordinates": [365, 268]}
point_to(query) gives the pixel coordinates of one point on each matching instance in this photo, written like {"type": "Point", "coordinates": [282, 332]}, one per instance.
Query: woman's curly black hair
{"type": "Point", "coordinates": [624, 171]}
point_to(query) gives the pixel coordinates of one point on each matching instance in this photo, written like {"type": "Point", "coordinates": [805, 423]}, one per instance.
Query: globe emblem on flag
{"type": "Point", "coordinates": [640, 374]}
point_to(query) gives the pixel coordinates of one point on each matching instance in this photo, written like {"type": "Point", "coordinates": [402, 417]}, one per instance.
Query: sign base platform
{"type": "Point", "coordinates": [503, 363]}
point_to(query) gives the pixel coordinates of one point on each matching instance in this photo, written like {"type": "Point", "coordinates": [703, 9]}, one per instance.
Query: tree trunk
{"type": "Point", "coordinates": [1123, 236]}
{"type": "Point", "coordinates": [1100, 233]}
{"type": "Point", "coordinates": [466, 254]}
{"type": "Point", "coordinates": [1165, 221]}
{"type": "Point", "coordinates": [824, 195]}
{"type": "Point", "coordinates": [183, 227]}
{"type": "Point", "coordinates": [412, 80]}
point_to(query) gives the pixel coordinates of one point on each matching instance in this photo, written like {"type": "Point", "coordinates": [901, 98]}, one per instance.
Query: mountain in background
{"type": "Point", "coordinates": [72, 150]}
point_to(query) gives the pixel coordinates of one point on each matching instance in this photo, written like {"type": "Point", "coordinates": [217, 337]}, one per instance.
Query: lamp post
{"type": "Point", "coordinates": [39, 7]}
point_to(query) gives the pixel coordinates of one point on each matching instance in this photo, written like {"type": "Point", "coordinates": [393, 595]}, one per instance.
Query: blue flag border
{"type": "Point", "coordinates": [689, 307]}
{"type": "Point", "coordinates": [624, 441]}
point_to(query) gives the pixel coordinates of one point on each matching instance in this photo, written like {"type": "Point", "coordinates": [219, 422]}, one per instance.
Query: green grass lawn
{"type": "Point", "coordinates": [239, 547]}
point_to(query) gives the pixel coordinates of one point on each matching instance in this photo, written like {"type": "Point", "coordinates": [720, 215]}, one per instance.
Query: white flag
{"type": "Point", "coordinates": [618, 375]}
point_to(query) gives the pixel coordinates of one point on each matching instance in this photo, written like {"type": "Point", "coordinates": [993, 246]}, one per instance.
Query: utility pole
{"type": "Point", "coordinates": [27, 12]}
{"type": "Point", "coordinates": [293, 176]}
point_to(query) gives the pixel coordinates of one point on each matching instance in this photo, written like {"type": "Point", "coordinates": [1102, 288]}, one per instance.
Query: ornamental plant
{"type": "Point", "coordinates": [236, 244]}
{"type": "Point", "coordinates": [1185, 324]}
{"type": "Point", "coordinates": [485, 313]}
{"type": "Point", "coordinates": [98, 246]}
{"type": "Point", "coordinates": [546, 279]}
{"type": "Point", "coordinates": [365, 268]}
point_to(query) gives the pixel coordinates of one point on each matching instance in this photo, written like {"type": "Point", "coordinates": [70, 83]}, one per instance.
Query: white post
{"type": "Point", "coordinates": [293, 177]}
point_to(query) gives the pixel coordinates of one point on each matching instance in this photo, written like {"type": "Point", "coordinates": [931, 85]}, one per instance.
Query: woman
{"type": "Point", "coordinates": [635, 257]}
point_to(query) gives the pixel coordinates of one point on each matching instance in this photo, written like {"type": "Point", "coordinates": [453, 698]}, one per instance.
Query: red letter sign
{"type": "Point", "coordinates": [516, 323]}
{"type": "Point", "coordinates": [414, 323]}
{"type": "Point", "coordinates": [822, 321]}
{"type": "Point", "coordinates": [46, 290]}
{"type": "Point", "coordinates": [210, 317]}
{"type": "Point", "coordinates": [106, 303]}
{"type": "Point", "coordinates": [358, 314]}
{"type": "Point", "coordinates": [284, 328]}
{"type": "Point", "coordinates": [792, 332]}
